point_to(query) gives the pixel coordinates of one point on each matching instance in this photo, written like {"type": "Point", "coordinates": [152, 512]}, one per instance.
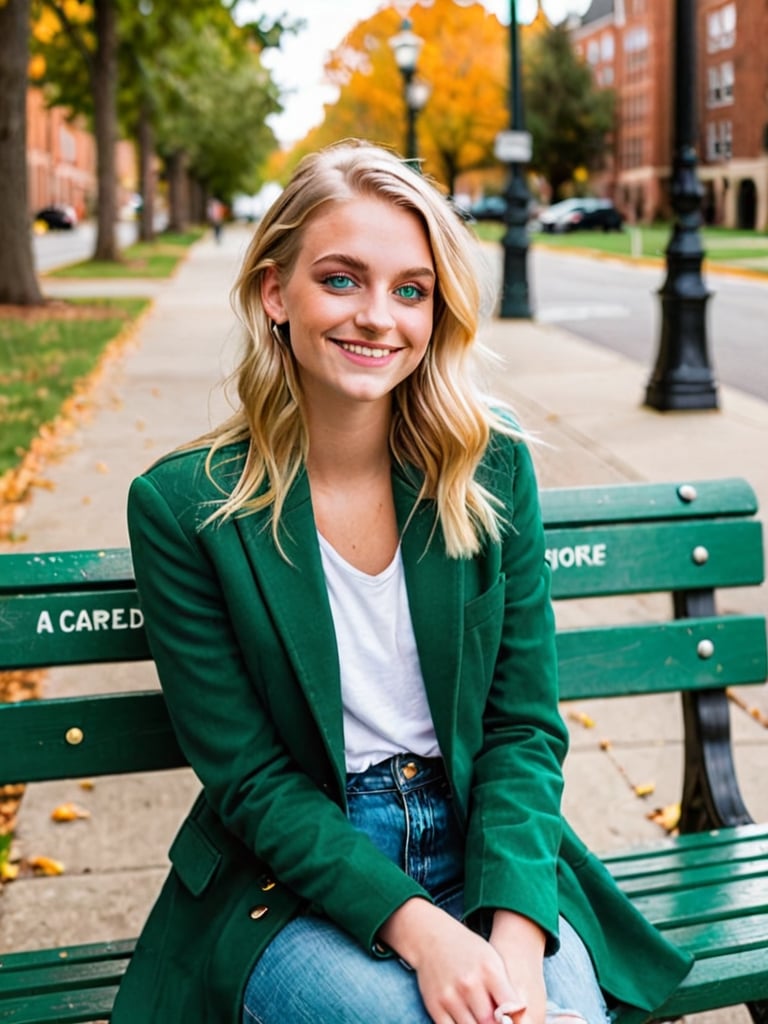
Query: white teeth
{"type": "Point", "coordinates": [363, 350]}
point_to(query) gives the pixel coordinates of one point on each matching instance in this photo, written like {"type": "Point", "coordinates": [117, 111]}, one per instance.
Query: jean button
{"type": "Point", "coordinates": [410, 770]}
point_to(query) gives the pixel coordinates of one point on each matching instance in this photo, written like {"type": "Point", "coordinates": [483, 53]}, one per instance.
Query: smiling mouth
{"type": "Point", "coordinates": [365, 350]}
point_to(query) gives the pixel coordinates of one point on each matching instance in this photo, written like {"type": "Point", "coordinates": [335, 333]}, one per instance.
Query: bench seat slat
{"type": "Point", "coordinates": [691, 840]}
{"type": "Point", "coordinates": [693, 875]}
{"type": "Point", "coordinates": [63, 977]}
{"type": "Point", "coordinates": [77, 1007]}
{"type": "Point", "coordinates": [659, 658]}
{"type": "Point", "coordinates": [720, 981]}
{"type": "Point", "coordinates": [86, 953]}
{"type": "Point", "coordinates": [747, 852]}
{"type": "Point", "coordinates": [730, 935]}
{"type": "Point", "coordinates": [694, 906]}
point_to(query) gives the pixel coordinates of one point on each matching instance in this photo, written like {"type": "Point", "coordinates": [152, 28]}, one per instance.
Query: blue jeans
{"type": "Point", "coordinates": [313, 972]}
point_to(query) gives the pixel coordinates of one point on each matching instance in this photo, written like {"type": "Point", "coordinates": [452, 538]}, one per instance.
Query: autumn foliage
{"type": "Point", "coordinates": [464, 61]}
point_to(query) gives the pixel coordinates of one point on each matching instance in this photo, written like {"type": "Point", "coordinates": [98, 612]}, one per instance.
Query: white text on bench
{"type": "Point", "coordinates": [91, 621]}
{"type": "Point", "coordinates": [581, 554]}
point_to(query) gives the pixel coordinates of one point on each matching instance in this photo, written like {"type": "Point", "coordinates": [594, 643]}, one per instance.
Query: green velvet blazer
{"type": "Point", "coordinates": [245, 649]}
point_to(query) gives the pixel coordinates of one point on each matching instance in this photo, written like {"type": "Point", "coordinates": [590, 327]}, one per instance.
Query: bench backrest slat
{"type": "Point", "coordinates": [650, 557]}
{"type": "Point", "coordinates": [644, 502]}
{"type": "Point", "coordinates": [662, 658]}
{"type": "Point", "coordinates": [72, 628]}
{"type": "Point", "coordinates": [76, 737]}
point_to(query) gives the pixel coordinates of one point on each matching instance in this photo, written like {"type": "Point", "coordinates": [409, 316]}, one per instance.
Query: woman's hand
{"type": "Point", "coordinates": [461, 977]}
{"type": "Point", "coordinates": [520, 944]}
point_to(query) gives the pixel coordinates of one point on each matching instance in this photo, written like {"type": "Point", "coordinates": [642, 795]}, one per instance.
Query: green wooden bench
{"type": "Point", "coordinates": [707, 889]}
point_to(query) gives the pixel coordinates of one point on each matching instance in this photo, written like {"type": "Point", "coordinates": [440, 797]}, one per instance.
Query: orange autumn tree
{"type": "Point", "coordinates": [464, 61]}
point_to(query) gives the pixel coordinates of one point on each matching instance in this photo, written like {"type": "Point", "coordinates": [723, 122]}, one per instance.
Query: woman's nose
{"type": "Point", "coordinates": [374, 313]}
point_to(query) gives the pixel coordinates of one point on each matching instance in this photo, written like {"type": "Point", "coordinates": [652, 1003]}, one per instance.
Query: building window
{"type": "Point", "coordinates": [721, 28]}
{"type": "Point", "coordinates": [726, 140]}
{"type": "Point", "coordinates": [727, 78]}
{"type": "Point", "coordinates": [713, 145]}
{"type": "Point", "coordinates": [593, 52]}
{"type": "Point", "coordinates": [714, 90]}
{"type": "Point", "coordinates": [607, 47]}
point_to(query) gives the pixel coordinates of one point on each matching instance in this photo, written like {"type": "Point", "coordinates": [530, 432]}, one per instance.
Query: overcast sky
{"type": "Point", "coordinates": [298, 66]}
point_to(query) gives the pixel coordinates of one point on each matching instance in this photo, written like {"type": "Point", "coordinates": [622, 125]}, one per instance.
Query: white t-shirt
{"type": "Point", "coordinates": [382, 688]}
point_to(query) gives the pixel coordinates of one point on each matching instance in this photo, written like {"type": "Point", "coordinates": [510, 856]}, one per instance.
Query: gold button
{"type": "Point", "coordinates": [256, 912]}
{"type": "Point", "coordinates": [267, 884]}
{"type": "Point", "coordinates": [410, 770]}
{"type": "Point", "coordinates": [74, 736]}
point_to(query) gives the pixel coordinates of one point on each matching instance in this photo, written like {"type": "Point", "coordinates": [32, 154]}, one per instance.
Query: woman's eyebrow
{"type": "Point", "coordinates": [362, 267]}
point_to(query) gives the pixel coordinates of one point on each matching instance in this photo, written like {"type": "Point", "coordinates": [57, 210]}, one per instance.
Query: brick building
{"type": "Point", "coordinates": [61, 159]}
{"type": "Point", "coordinates": [630, 47]}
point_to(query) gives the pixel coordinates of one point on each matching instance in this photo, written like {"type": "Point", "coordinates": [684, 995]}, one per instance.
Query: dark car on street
{"type": "Point", "coordinates": [488, 208]}
{"type": "Point", "coordinates": [585, 214]}
{"type": "Point", "coordinates": [57, 218]}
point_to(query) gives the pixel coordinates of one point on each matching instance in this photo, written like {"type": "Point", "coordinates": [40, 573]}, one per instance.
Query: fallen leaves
{"type": "Point", "coordinates": [46, 866]}
{"type": "Point", "coordinates": [69, 812]}
{"type": "Point", "coordinates": [667, 817]}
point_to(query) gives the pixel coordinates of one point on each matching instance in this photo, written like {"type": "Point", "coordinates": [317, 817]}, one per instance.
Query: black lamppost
{"type": "Point", "coordinates": [515, 303]}
{"type": "Point", "coordinates": [407, 47]}
{"type": "Point", "coordinates": [682, 377]}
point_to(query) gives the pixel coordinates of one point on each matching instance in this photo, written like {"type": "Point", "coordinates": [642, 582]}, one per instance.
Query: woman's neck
{"type": "Point", "coordinates": [354, 443]}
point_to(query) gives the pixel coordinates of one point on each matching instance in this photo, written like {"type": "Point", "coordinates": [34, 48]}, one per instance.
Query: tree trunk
{"type": "Point", "coordinates": [177, 191]}
{"type": "Point", "coordinates": [105, 123]}
{"type": "Point", "coordinates": [18, 282]}
{"type": "Point", "coordinates": [146, 174]}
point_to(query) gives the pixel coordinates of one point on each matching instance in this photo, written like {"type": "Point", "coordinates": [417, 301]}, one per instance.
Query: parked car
{"type": "Point", "coordinates": [581, 215]}
{"type": "Point", "coordinates": [58, 217]}
{"type": "Point", "coordinates": [488, 208]}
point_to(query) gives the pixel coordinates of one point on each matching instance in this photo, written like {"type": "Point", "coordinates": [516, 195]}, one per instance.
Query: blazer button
{"type": "Point", "coordinates": [256, 912]}
{"type": "Point", "coordinates": [267, 883]}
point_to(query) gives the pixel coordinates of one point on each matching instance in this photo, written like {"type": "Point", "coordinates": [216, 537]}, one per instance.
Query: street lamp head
{"type": "Point", "coordinates": [407, 47]}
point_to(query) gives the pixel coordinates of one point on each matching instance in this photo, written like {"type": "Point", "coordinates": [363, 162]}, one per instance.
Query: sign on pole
{"type": "Point", "coordinates": [513, 147]}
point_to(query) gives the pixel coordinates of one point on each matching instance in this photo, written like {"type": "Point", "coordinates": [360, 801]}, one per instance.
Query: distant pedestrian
{"type": "Point", "coordinates": [216, 217]}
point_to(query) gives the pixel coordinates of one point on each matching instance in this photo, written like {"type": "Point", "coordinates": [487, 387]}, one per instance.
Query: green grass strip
{"type": "Point", "coordinates": [43, 356]}
{"type": "Point", "coordinates": [156, 259]}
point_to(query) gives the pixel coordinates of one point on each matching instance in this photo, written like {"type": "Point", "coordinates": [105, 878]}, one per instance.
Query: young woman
{"type": "Point", "coordinates": [346, 596]}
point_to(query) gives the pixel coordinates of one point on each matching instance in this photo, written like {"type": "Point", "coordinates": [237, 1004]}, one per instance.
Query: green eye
{"type": "Point", "coordinates": [339, 281]}
{"type": "Point", "coordinates": [410, 291]}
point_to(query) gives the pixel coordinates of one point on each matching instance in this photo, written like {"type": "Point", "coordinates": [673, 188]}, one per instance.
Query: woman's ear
{"type": "Point", "coordinates": [272, 296]}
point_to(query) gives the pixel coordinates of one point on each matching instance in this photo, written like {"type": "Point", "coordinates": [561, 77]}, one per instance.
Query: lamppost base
{"type": "Point", "coordinates": [670, 395]}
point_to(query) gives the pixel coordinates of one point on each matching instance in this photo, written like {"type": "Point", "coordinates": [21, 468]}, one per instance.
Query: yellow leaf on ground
{"type": "Point", "coordinates": [46, 865]}
{"type": "Point", "coordinates": [645, 788]}
{"type": "Point", "coordinates": [605, 744]}
{"type": "Point", "coordinates": [583, 719]}
{"type": "Point", "coordinates": [87, 784]}
{"type": "Point", "coordinates": [8, 872]}
{"type": "Point", "coordinates": [69, 812]}
{"type": "Point", "coordinates": [667, 817]}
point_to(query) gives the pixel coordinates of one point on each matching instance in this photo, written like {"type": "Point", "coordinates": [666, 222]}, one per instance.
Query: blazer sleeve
{"type": "Point", "coordinates": [251, 781]}
{"type": "Point", "coordinates": [515, 825]}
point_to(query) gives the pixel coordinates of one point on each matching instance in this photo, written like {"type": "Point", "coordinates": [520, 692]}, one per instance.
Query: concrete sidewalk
{"type": "Point", "coordinates": [581, 400]}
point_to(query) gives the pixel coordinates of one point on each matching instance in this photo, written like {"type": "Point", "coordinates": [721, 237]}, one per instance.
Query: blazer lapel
{"type": "Point", "coordinates": [297, 597]}
{"type": "Point", "coordinates": [435, 585]}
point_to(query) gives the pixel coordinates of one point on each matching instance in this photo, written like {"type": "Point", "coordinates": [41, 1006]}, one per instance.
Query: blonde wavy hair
{"type": "Point", "coordinates": [441, 422]}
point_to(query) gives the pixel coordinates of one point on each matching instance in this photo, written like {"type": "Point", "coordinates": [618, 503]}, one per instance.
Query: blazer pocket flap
{"type": "Point", "coordinates": [194, 857]}
{"type": "Point", "coordinates": [485, 605]}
